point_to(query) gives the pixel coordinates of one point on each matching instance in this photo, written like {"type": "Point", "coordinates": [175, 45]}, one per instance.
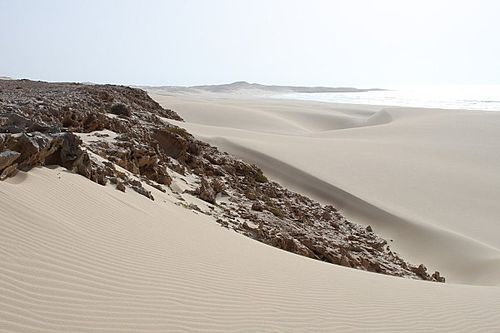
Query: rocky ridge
{"type": "Point", "coordinates": [119, 135]}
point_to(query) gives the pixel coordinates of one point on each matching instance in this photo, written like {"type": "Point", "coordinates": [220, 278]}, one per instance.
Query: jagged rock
{"type": "Point", "coordinates": [257, 206]}
{"type": "Point", "coordinates": [369, 229]}
{"type": "Point", "coordinates": [172, 144]}
{"type": "Point", "coordinates": [276, 211]}
{"type": "Point", "coordinates": [9, 171]}
{"type": "Point", "coordinates": [437, 277]}
{"type": "Point", "coordinates": [250, 195]}
{"type": "Point", "coordinates": [421, 271]}
{"type": "Point", "coordinates": [156, 186]}
{"type": "Point", "coordinates": [120, 186]}
{"type": "Point", "coordinates": [7, 158]}
{"type": "Point", "coordinates": [11, 122]}
{"type": "Point", "coordinates": [206, 192]}
{"type": "Point", "coordinates": [34, 148]}
{"type": "Point", "coordinates": [120, 109]}
{"type": "Point", "coordinates": [288, 244]}
{"type": "Point", "coordinates": [141, 190]}
{"type": "Point", "coordinates": [217, 186]}
{"type": "Point", "coordinates": [344, 261]}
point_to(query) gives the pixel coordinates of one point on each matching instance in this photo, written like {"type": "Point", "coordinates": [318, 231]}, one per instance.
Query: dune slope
{"type": "Point", "coordinates": [425, 178]}
{"type": "Point", "coordinates": [76, 256]}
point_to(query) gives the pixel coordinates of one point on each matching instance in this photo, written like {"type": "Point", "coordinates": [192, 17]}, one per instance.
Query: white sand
{"type": "Point", "coordinates": [428, 179]}
{"type": "Point", "coordinates": [79, 257]}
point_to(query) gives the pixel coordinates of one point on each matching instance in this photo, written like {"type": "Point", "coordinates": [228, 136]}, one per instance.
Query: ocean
{"type": "Point", "coordinates": [478, 97]}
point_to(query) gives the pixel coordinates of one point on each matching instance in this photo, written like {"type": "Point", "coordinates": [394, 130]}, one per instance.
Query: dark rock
{"type": "Point", "coordinates": [206, 192]}
{"type": "Point", "coordinates": [344, 261]}
{"type": "Point", "coordinates": [120, 186]}
{"type": "Point", "coordinates": [421, 271]}
{"type": "Point", "coordinates": [9, 171]}
{"type": "Point", "coordinates": [120, 109]}
{"type": "Point", "coordinates": [257, 206]}
{"type": "Point", "coordinates": [7, 158]}
{"type": "Point", "coordinates": [437, 277]}
{"type": "Point", "coordinates": [142, 191]}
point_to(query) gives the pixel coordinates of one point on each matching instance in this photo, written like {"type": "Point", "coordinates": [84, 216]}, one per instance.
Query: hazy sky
{"type": "Point", "coordinates": [382, 43]}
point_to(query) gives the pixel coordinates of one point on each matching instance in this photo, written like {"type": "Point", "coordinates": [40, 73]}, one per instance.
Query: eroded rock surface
{"type": "Point", "coordinates": [118, 135]}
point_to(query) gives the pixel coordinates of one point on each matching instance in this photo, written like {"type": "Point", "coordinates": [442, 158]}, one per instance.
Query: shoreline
{"type": "Point", "coordinates": [252, 94]}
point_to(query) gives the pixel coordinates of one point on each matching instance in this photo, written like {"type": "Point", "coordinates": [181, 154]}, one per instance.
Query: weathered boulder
{"type": "Point", "coordinates": [7, 158]}
{"type": "Point", "coordinates": [421, 271]}
{"type": "Point", "coordinates": [257, 206]}
{"type": "Point", "coordinates": [142, 191]}
{"type": "Point", "coordinates": [34, 148]}
{"type": "Point", "coordinates": [206, 192]}
{"type": "Point", "coordinates": [11, 122]}
{"type": "Point", "coordinates": [9, 171]}
{"type": "Point", "coordinates": [120, 186]}
{"type": "Point", "coordinates": [437, 277]}
{"type": "Point", "coordinates": [172, 144]}
{"type": "Point", "coordinates": [67, 151]}
{"type": "Point", "coordinates": [120, 109]}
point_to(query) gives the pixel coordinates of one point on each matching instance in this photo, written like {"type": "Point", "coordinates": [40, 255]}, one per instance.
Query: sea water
{"type": "Point", "coordinates": [443, 97]}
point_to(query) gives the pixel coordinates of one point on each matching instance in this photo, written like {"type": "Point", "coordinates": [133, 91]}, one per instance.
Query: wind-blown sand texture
{"type": "Point", "coordinates": [76, 256]}
{"type": "Point", "coordinates": [428, 179]}
{"type": "Point", "coordinates": [79, 257]}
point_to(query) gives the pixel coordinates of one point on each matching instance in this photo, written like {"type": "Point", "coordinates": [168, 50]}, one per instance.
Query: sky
{"type": "Point", "coordinates": [382, 43]}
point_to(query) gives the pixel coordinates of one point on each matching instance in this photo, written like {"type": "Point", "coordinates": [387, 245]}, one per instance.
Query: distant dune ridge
{"type": "Point", "coordinates": [245, 86]}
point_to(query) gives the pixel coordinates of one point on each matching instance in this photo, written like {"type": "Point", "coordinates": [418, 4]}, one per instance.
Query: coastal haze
{"type": "Point", "coordinates": [249, 166]}
{"type": "Point", "coordinates": [458, 97]}
{"type": "Point", "coordinates": [362, 44]}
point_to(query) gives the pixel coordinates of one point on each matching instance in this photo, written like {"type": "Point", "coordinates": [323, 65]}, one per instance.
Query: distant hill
{"type": "Point", "coordinates": [240, 85]}
{"type": "Point", "coordinates": [5, 78]}
{"type": "Point", "coordinates": [243, 85]}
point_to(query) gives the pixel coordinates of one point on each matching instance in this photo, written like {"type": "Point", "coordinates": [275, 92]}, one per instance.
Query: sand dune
{"type": "Point", "coordinates": [76, 256]}
{"type": "Point", "coordinates": [428, 179]}
{"type": "Point", "coordinates": [79, 257]}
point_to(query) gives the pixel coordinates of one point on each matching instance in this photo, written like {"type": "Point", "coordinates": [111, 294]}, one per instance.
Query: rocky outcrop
{"type": "Point", "coordinates": [42, 124]}
{"type": "Point", "coordinates": [33, 149]}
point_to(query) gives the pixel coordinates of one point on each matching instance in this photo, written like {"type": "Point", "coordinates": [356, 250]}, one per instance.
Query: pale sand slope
{"type": "Point", "coordinates": [429, 179]}
{"type": "Point", "coordinates": [79, 257]}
